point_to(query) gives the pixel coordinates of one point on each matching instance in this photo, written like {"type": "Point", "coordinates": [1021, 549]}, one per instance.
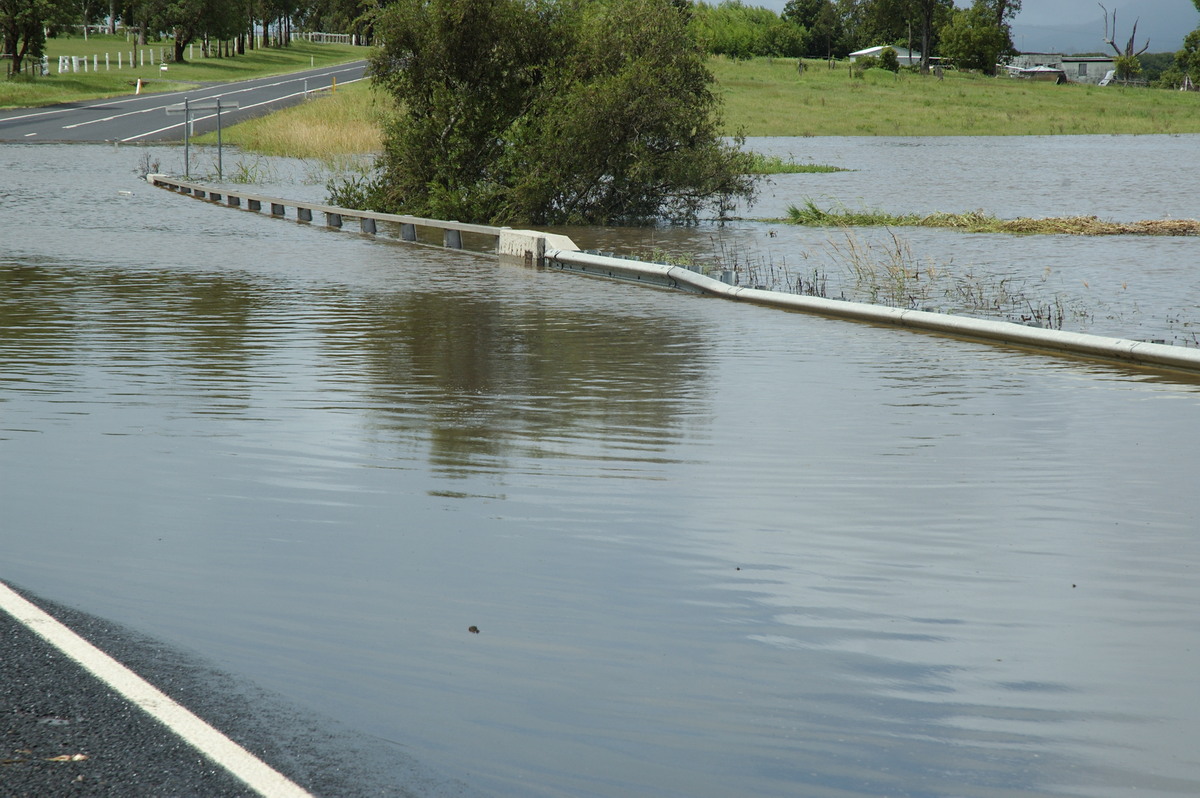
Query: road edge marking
{"type": "Point", "coordinates": [255, 773]}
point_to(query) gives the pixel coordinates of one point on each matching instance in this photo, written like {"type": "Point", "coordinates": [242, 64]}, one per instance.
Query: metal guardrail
{"type": "Point", "coordinates": [559, 252]}
{"type": "Point", "coordinates": [1120, 350]}
{"type": "Point", "coordinates": [452, 232]}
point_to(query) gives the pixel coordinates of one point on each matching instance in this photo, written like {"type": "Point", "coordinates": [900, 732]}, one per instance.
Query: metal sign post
{"type": "Point", "coordinates": [186, 108]}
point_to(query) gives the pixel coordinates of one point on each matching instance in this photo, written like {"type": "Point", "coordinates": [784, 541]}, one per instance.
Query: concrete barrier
{"type": "Point", "coordinates": [1057, 341]}
{"type": "Point", "coordinates": [550, 250]}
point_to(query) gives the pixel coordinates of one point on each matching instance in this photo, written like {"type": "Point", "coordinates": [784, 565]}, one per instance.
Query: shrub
{"type": "Point", "coordinates": [517, 111]}
{"type": "Point", "coordinates": [889, 60]}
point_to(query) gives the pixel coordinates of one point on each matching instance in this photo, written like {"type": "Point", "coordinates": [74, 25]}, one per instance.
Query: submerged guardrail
{"type": "Point", "coordinates": [555, 251]}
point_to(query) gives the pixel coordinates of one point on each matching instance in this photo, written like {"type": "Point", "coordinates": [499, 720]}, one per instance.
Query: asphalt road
{"type": "Point", "coordinates": [65, 731]}
{"type": "Point", "coordinates": [144, 118]}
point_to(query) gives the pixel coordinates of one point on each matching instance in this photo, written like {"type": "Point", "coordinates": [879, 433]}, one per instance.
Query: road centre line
{"type": "Point", "coordinates": [205, 96]}
{"type": "Point", "coordinates": [213, 116]}
{"type": "Point", "coordinates": [142, 98]}
{"type": "Point", "coordinates": [255, 773]}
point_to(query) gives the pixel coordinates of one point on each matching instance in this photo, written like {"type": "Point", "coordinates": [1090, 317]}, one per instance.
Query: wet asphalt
{"type": "Point", "coordinates": [65, 733]}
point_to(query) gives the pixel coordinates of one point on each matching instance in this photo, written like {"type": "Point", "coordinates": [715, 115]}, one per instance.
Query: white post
{"type": "Point", "coordinates": [141, 57]}
{"type": "Point", "coordinates": [190, 55]}
{"type": "Point", "coordinates": [118, 59]}
{"type": "Point", "coordinates": [96, 62]}
{"type": "Point", "coordinates": [151, 56]}
{"type": "Point", "coordinates": [131, 61]}
{"type": "Point", "coordinates": [106, 66]}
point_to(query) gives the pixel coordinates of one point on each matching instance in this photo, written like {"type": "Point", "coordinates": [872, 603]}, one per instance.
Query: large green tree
{"type": "Point", "coordinates": [912, 23]}
{"type": "Point", "coordinates": [820, 18]}
{"type": "Point", "coordinates": [734, 29]}
{"type": "Point", "coordinates": [23, 25]}
{"type": "Point", "coordinates": [542, 112]}
{"type": "Point", "coordinates": [974, 40]}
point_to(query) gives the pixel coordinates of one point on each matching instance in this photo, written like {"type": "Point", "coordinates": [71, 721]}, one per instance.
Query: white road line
{"type": "Point", "coordinates": [243, 108]}
{"type": "Point", "coordinates": [336, 69]}
{"type": "Point", "coordinates": [216, 746]}
{"type": "Point", "coordinates": [197, 96]}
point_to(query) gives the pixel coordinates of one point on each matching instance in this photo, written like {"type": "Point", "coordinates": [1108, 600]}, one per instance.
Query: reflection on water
{"type": "Point", "coordinates": [712, 550]}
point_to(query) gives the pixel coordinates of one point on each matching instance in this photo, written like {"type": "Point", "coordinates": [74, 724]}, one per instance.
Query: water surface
{"type": "Point", "coordinates": [712, 549]}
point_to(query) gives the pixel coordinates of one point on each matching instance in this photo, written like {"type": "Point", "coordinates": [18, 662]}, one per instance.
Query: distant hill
{"type": "Point", "coordinates": [1163, 22]}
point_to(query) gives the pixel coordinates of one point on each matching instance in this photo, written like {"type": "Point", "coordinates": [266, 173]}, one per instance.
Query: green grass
{"type": "Point", "coordinates": [74, 86]}
{"type": "Point", "coordinates": [328, 126]}
{"type": "Point", "coordinates": [775, 165]}
{"type": "Point", "coordinates": [979, 222]}
{"type": "Point", "coordinates": [768, 97]}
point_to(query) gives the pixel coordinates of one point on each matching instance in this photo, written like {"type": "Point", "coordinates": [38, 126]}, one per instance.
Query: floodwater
{"type": "Point", "coordinates": [711, 549]}
{"type": "Point", "coordinates": [1139, 287]}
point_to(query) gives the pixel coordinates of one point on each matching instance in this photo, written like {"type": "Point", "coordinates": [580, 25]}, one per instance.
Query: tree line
{"type": "Point", "coordinates": [812, 28]}
{"type": "Point", "coordinates": [222, 27]}
{"type": "Point", "coordinates": [975, 37]}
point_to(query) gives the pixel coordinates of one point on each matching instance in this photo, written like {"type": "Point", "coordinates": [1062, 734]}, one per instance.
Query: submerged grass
{"type": "Point", "coordinates": [979, 222]}
{"type": "Point", "coordinates": [887, 272]}
{"type": "Point", "coordinates": [777, 165]}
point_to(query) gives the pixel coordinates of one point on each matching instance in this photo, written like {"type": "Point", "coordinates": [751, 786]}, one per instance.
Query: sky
{"type": "Point", "coordinates": [1078, 25]}
{"type": "Point", "coordinates": [1075, 26]}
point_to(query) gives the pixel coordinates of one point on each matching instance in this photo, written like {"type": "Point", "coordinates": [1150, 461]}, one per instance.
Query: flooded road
{"type": "Point", "coordinates": [710, 549]}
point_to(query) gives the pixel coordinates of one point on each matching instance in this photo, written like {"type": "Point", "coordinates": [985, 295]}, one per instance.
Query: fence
{"type": "Point", "coordinates": [554, 251]}
{"type": "Point", "coordinates": [125, 59]}
{"type": "Point", "coordinates": [326, 38]}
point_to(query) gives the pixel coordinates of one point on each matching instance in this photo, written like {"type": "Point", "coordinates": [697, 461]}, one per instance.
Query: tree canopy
{"type": "Point", "coordinates": [23, 25]}
{"type": "Point", "coordinates": [973, 39]}
{"type": "Point", "coordinates": [524, 111]}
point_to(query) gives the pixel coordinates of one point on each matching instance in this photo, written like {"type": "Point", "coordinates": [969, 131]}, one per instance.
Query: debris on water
{"type": "Point", "coordinates": [473, 630]}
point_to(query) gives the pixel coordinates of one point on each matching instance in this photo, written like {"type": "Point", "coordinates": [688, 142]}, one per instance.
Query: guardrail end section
{"type": "Point", "coordinates": [529, 246]}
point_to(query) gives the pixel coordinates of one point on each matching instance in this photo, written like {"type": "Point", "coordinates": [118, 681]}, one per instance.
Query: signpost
{"type": "Point", "coordinates": [186, 108]}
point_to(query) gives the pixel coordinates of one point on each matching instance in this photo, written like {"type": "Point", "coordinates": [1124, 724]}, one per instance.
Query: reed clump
{"type": "Point", "coordinates": [778, 165]}
{"type": "Point", "coordinates": [887, 272]}
{"type": "Point", "coordinates": [979, 222]}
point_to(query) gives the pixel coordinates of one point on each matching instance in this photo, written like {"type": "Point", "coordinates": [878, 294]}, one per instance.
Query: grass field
{"type": "Point", "coordinates": [73, 86]}
{"type": "Point", "coordinates": [768, 97]}
{"type": "Point", "coordinates": [348, 121]}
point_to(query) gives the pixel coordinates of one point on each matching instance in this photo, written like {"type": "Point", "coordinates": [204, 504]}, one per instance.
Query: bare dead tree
{"type": "Point", "coordinates": [1128, 51]}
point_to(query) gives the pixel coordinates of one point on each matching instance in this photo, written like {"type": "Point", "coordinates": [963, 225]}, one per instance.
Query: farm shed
{"type": "Point", "coordinates": [905, 56]}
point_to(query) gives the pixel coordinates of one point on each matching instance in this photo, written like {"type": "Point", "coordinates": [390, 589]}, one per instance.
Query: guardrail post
{"type": "Point", "coordinates": [452, 239]}
{"type": "Point", "coordinates": [367, 225]}
{"type": "Point", "coordinates": [408, 232]}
